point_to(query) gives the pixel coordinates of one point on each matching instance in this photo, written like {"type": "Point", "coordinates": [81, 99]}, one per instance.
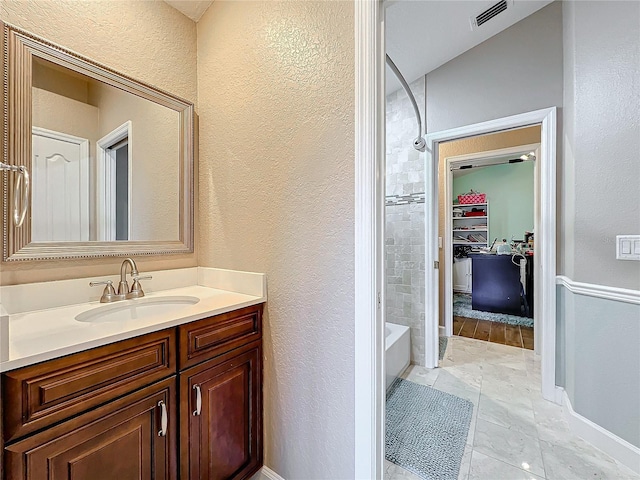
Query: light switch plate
{"type": "Point", "coordinates": [628, 247]}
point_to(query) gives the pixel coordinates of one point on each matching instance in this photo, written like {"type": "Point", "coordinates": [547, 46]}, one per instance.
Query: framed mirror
{"type": "Point", "coordinates": [110, 158]}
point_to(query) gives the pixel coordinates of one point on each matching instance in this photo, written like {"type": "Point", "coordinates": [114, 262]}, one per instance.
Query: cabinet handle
{"type": "Point", "coordinates": [164, 419]}
{"type": "Point", "coordinates": [198, 409]}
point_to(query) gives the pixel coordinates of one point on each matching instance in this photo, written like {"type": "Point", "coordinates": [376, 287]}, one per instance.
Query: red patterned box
{"type": "Point", "coordinates": [472, 197]}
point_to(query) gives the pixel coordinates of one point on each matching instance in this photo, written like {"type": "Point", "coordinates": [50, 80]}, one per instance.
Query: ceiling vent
{"type": "Point", "coordinates": [491, 12]}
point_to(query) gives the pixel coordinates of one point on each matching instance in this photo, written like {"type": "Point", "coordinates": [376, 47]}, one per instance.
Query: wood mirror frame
{"type": "Point", "coordinates": [18, 48]}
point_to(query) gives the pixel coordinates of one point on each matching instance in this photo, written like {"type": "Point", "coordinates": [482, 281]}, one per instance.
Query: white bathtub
{"type": "Point", "coordinates": [397, 345]}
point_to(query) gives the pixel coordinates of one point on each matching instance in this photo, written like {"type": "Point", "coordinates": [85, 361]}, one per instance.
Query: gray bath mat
{"type": "Point", "coordinates": [426, 430]}
{"type": "Point", "coordinates": [462, 308]}
{"type": "Point", "coordinates": [442, 347]}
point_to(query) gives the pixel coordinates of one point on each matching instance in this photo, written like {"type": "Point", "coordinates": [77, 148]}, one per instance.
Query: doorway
{"type": "Point", "coordinates": [491, 232]}
{"type": "Point", "coordinates": [113, 179]}
{"type": "Point", "coordinates": [544, 227]}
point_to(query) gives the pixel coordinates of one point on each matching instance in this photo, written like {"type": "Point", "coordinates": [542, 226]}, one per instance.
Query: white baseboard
{"type": "Point", "coordinates": [558, 396]}
{"type": "Point", "coordinates": [265, 473]}
{"type": "Point", "coordinates": [441, 331]}
{"type": "Point", "coordinates": [612, 445]}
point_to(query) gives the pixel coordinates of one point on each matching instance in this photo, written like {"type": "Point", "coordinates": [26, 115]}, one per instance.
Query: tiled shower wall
{"type": "Point", "coordinates": [404, 212]}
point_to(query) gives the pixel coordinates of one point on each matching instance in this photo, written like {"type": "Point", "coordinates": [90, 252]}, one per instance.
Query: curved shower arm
{"type": "Point", "coordinates": [418, 143]}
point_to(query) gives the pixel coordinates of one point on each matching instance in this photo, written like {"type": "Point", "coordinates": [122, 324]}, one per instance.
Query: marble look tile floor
{"type": "Point", "coordinates": [515, 434]}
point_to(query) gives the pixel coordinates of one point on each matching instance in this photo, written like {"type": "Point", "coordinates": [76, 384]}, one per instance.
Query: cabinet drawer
{"type": "Point", "coordinates": [37, 396]}
{"type": "Point", "coordinates": [214, 336]}
{"type": "Point", "coordinates": [132, 437]}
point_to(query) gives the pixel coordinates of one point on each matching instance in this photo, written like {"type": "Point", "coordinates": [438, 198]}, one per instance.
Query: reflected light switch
{"type": "Point", "coordinates": [628, 247]}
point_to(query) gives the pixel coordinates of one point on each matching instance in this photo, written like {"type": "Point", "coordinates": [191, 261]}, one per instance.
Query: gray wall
{"type": "Point", "coordinates": [602, 137]}
{"type": "Point", "coordinates": [598, 359]}
{"type": "Point", "coordinates": [516, 71]}
{"type": "Point", "coordinates": [404, 218]}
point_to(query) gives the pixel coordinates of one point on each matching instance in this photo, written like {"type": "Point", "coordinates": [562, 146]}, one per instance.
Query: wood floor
{"type": "Point", "coordinates": [495, 332]}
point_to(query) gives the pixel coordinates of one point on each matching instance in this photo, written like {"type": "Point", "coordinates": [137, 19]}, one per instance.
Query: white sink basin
{"type": "Point", "coordinates": [136, 309]}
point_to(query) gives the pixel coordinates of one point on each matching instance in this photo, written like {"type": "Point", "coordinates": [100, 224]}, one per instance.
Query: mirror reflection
{"type": "Point", "coordinates": [105, 161]}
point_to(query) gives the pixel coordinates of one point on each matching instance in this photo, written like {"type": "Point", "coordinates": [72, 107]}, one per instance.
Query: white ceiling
{"type": "Point", "coordinates": [422, 35]}
{"type": "Point", "coordinates": [194, 9]}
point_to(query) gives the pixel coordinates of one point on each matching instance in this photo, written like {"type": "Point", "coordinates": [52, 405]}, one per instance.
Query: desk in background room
{"type": "Point", "coordinates": [496, 284]}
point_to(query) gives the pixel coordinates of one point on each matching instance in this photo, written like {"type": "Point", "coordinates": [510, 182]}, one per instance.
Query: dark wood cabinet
{"type": "Point", "coordinates": [46, 393]}
{"type": "Point", "coordinates": [221, 416]}
{"type": "Point", "coordinates": [121, 440]}
{"type": "Point", "coordinates": [98, 414]}
{"type": "Point", "coordinates": [207, 338]}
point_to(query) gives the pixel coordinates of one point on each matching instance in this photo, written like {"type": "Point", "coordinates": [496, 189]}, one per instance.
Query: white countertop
{"type": "Point", "coordinates": [38, 335]}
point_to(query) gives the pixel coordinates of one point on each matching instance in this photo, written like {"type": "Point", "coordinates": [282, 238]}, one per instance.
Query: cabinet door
{"type": "Point", "coordinates": [462, 275]}
{"type": "Point", "coordinates": [121, 440]}
{"type": "Point", "coordinates": [221, 417]}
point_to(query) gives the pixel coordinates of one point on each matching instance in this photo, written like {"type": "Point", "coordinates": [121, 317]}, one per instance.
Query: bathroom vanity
{"type": "Point", "coordinates": [181, 401]}
{"type": "Point", "coordinates": [164, 383]}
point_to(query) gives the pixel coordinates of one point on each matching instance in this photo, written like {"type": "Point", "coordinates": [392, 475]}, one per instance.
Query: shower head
{"type": "Point", "coordinates": [419, 144]}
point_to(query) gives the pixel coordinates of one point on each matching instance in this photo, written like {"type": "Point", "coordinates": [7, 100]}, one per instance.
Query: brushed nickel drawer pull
{"type": "Point", "coordinates": [164, 419]}
{"type": "Point", "coordinates": [198, 409]}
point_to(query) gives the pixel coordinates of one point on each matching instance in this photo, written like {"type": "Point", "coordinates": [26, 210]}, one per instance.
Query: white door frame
{"type": "Point", "coordinates": [369, 239]}
{"type": "Point", "coordinates": [479, 159]}
{"type": "Point", "coordinates": [545, 238]}
{"type": "Point", "coordinates": [105, 181]}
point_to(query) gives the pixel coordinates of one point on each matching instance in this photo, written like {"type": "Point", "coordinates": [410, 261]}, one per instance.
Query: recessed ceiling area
{"type": "Point", "coordinates": [425, 34]}
{"type": "Point", "coordinates": [194, 9]}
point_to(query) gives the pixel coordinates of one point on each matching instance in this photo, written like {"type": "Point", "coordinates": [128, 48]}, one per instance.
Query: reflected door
{"type": "Point", "coordinates": [60, 210]}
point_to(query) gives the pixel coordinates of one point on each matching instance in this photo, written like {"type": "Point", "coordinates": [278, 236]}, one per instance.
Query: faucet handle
{"type": "Point", "coordinates": [136, 288]}
{"type": "Point", "coordinates": [140, 277]}
{"type": "Point", "coordinates": [109, 293]}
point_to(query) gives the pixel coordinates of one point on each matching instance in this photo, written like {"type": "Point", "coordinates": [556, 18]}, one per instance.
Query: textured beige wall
{"type": "Point", "coordinates": [63, 114]}
{"type": "Point", "coordinates": [155, 173]}
{"type": "Point", "coordinates": [276, 96]}
{"type": "Point", "coordinates": [52, 78]}
{"type": "Point", "coordinates": [481, 143]}
{"type": "Point", "coordinates": [147, 40]}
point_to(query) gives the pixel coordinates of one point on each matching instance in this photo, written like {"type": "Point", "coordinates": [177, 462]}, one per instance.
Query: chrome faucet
{"type": "Point", "coordinates": [109, 294]}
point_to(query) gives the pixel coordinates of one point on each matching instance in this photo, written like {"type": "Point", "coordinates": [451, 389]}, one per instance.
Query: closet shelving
{"type": "Point", "coordinates": [471, 230]}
